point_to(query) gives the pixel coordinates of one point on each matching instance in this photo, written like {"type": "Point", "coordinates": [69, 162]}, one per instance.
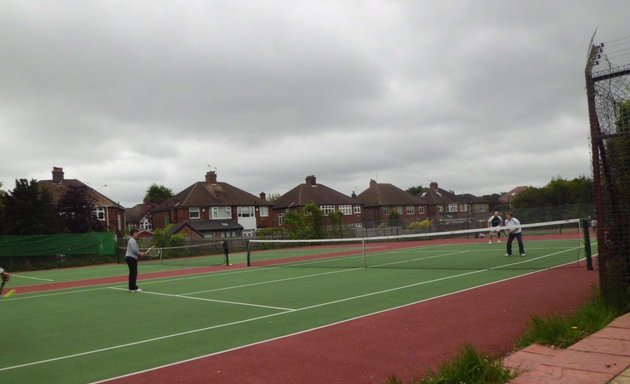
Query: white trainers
{"type": "Point", "coordinates": [499, 241]}
{"type": "Point", "coordinates": [507, 254]}
{"type": "Point", "coordinates": [522, 254]}
{"type": "Point", "coordinates": [135, 290]}
{"type": "Point", "coordinates": [490, 242]}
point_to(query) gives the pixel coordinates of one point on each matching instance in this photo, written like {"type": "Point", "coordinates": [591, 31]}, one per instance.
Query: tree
{"type": "Point", "coordinates": [306, 223]}
{"type": "Point", "coordinates": [28, 210]}
{"type": "Point", "coordinates": [313, 221]}
{"type": "Point", "coordinates": [336, 220]}
{"type": "Point", "coordinates": [293, 221]}
{"type": "Point", "coordinates": [416, 191]}
{"type": "Point", "coordinates": [157, 194]}
{"type": "Point", "coordinates": [560, 197]}
{"type": "Point", "coordinates": [272, 197]}
{"type": "Point", "coordinates": [76, 208]}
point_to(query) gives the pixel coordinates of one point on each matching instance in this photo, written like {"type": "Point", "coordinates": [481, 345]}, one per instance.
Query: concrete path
{"type": "Point", "coordinates": [602, 358]}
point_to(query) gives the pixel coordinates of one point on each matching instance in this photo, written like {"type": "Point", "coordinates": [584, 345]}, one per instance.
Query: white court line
{"type": "Point", "coordinates": [30, 277]}
{"type": "Point", "coordinates": [279, 314]}
{"type": "Point", "coordinates": [315, 328]}
{"type": "Point", "coordinates": [211, 300]}
{"type": "Point", "coordinates": [223, 325]}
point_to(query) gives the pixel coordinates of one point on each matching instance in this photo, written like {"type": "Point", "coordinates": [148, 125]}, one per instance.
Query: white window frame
{"type": "Point", "coordinates": [386, 210]}
{"type": "Point", "coordinates": [194, 213]}
{"type": "Point", "coordinates": [222, 212]}
{"type": "Point", "coordinates": [263, 211]}
{"type": "Point", "coordinates": [327, 209]}
{"type": "Point", "coordinates": [410, 210]}
{"type": "Point", "coordinates": [357, 209]}
{"type": "Point", "coordinates": [247, 211]}
{"type": "Point", "coordinates": [346, 209]}
{"type": "Point", "coordinates": [420, 209]}
{"type": "Point", "coordinates": [453, 207]}
{"type": "Point", "coordinates": [440, 208]}
{"type": "Point", "coordinates": [100, 213]}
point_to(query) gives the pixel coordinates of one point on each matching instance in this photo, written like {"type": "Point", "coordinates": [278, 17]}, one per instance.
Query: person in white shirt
{"type": "Point", "coordinates": [513, 227]}
{"type": "Point", "coordinates": [494, 223]}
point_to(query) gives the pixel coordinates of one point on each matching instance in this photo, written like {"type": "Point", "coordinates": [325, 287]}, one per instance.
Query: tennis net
{"type": "Point", "coordinates": [548, 244]}
{"type": "Point", "coordinates": [195, 255]}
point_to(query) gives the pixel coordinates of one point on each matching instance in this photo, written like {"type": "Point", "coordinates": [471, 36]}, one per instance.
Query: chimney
{"type": "Point", "coordinates": [372, 183]}
{"type": "Point", "coordinates": [311, 180]}
{"type": "Point", "coordinates": [57, 175]}
{"type": "Point", "coordinates": [211, 177]}
{"type": "Point", "coordinates": [434, 185]}
{"type": "Point", "coordinates": [263, 196]}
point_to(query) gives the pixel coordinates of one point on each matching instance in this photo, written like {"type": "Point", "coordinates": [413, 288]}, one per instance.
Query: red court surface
{"type": "Point", "coordinates": [407, 341]}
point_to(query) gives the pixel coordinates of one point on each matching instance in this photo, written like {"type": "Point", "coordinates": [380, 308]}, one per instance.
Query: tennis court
{"type": "Point", "coordinates": [91, 333]}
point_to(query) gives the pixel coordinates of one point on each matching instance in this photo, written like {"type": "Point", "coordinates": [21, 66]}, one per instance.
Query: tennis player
{"type": "Point", "coordinates": [131, 256]}
{"type": "Point", "coordinates": [494, 223]}
{"type": "Point", "coordinates": [514, 229]}
{"type": "Point", "coordinates": [4, 275]}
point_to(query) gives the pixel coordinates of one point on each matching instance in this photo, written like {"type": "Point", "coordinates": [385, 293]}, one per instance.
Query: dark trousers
{"type": "Point", "coordinates": [133, 272]}
{"type": "Point", "coordinates": [519, 238]}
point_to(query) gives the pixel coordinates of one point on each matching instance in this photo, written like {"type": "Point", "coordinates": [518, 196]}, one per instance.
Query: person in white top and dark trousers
{"type": "Point", "coordinates": [514, 228]}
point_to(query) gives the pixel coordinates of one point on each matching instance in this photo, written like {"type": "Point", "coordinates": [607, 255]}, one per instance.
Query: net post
{"type": "Point", "coordinates": [587, 244]}
{"type": "Point", "coordinates": [249, 245]}
{"type": "Point", "coordinates": [363, 251]}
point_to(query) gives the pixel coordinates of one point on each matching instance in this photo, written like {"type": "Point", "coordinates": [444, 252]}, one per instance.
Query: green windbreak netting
{"type": "Point", "coordinates": [94, 243]}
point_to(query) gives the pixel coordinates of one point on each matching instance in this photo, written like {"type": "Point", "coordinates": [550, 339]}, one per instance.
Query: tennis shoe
{"type": "Point", "coordinates": [490, 242]}
{"type": "Point", "coordinates": [522, 254]}
{"type": "Point", "coordinates": [499, 241]}
{"type": "Point", "coordinates": [507, 254]}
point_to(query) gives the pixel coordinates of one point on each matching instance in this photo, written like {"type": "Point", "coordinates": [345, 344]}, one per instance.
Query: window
{"type": "Point", "coordinates": [410, 210]}
{"type": "Point", "coordinates": [327, 209]}
{"type": "Point", "coordinates": [399, 209]}
{"type": "Point", "coordinates": [421, 209]}
{"type": "Point", "coordinates": [193, 213]}
{"type": "Point", "coordinates": [221, 212]}
{"type": "Point", "coordinates": [245, 211]}
{"type": "Point", "coordinates": [280, 218]}
{"type": "Point", "coordinates": [357, 209]}
{"type": "Point", "coordinates": [386, 210]}
{"type": "Point", "coordinates": [100, 214]}
{"type": "Point", "coordinates": [264, 211]}
{"type": "Point", "coordinates": [345, 209]}
{"type": "Point", "coordinates": [440, 208]}
{"type": "Point", "coordinates": [452, 207]}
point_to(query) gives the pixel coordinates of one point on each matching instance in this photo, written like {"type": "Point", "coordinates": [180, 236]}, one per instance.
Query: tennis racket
{"type": "Point", "coordinates": [146, 253]}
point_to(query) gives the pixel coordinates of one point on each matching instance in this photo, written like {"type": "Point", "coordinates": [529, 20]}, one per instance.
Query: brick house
{"type": "Point", "coordinates": [216, 209]}
{"type": "Point", "coordinates": [139, 216]}
{"type": "Point", "coordinates": [381, 199]}
{"type": "Point", "coordinates": [327, 199]}
{"type": "Point", "coordinates": [106, 210]}
{"type": "Point", "coordinates": [448, 208]}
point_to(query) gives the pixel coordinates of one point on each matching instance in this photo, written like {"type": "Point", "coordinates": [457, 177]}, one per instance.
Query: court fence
{"type": "Point", "coordinates": [608, 96]}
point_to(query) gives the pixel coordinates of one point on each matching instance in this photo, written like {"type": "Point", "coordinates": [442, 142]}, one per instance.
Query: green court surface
{"type": "Point", "coordinates": [92, 333]}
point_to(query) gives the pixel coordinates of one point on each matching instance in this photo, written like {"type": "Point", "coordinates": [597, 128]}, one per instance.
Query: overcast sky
{"type": "Point", "coordinates": [479, 96]}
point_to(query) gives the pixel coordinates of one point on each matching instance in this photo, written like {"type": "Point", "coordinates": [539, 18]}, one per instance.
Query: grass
{"type": "Point", "coordinates": [560, 331]}
{"type": "Point", "coordinates": [470, 367]}
{"type": "Point", "coordinates": [563, 331]}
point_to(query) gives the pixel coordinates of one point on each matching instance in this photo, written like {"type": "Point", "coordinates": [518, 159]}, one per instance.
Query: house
{"type": "Point", "coordinates": [447, 207]}
{"type": "Point", "coordinates": [139, 217]}
{"type": "Point", "coordinates": [506, 198]}
{"type": "Point", "coordinates": [380, 199]}
{"type": "Point", "coordinates": [327, 199]}
{"type": "Point", "coordinates": [216, 209]}
{"type": "Point", "coordinates": [110, 213]}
